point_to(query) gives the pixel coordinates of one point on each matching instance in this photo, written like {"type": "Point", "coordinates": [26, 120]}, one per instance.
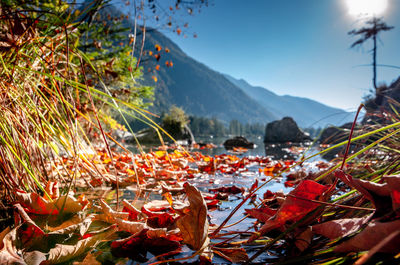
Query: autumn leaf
{"type": "Point", "coordinates": [110, 215]}
{"type": "Point", "coordinates": [131, 227]}
{"type": "Point", "coordinates": [129, 208]}
{"type": "Point", "coordinates": [296, 206]}
{"type": "Point", "coordinates": [193, 223]}
{"type": "Point", "coordinates": [339, 228]}
{"type": "Point", "coordinates": [234, 255]}
{"type": "Point", "coordinates": [261, 214]}
{"type": "Point", "coordinates": [374, 233]}
{"type": "Point", "coordinates": [34, 203]}
{"type": "Point", "coordinates": [62, 253]}
{"type": "Point", "coordinates": [384, 196]}
{"type": "Point", "coordinates": [8, 250]}
{"type": "Point", "coordinates": [303, 240]}
{"type": "Point", "coordinates": [137, 245]}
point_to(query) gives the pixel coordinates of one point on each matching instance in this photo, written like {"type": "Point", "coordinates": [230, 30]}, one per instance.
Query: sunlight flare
{"type": "Point", "coordinates": [366, 7]}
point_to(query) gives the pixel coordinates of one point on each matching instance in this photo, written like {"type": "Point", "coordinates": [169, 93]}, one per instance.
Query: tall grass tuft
{"type": "Point", "coordinates": [50, 92]}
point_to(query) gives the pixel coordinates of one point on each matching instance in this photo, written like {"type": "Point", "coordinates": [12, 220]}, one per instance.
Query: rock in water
{"type": "Point", "coordinates": [238, 141]}
{"type": "Point", "coordinates": [334, 135]}
{"type": "Point", "coordinates": [285, 130]}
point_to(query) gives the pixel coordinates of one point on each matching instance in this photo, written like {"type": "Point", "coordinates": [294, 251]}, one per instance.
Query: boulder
{"type": "Point", "coordinates": [238, 141]}
{"type": "Point", "coordinates": [334, 135]}
{"type": "Point", "coordinates": [285, 130]}
{"type": "Point", "coordinates": [123, 136]}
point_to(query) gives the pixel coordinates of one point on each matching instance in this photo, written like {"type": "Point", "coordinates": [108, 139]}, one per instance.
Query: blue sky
{"type": "Point", "coordinates": [295, 47]}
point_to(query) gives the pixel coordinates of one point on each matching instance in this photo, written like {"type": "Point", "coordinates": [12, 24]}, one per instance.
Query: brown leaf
{"type": "Point", "coordinates": [378, 194]}
{"type": "Point", "coordinates": [110, 214]}
{"type": "Point", "coordinates": [339, 228]}
{"type": "Point", "coordinates": [374, 233]}
{"type": "Point", "coordinates": [303, 241]}
{"type": "Point", "coordinates": [261, 214]}
{"type": "Point", "coordinates": [79, 228]}
{"type": "Point", "coordinates": [234, 255]}
{"type": "Point", "coordinates": [194, 224]}
{"type": "Point", "coordinates": [8, 251]}
{"type": "Point", "coordinates": [131, 227]}
{"type": "Point", "coordinates": [62, 253]}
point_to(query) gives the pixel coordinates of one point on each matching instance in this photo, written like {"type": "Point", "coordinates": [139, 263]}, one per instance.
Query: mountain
{"type": "Point", "coordinates": [201, 91]}
{"type": "Point", "coordinates": [306, 112]}
{"type": "Point", "coordinates": [198, 89]}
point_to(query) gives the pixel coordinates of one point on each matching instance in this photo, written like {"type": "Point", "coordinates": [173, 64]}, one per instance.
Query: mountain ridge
{"type": "Point", "coordinates": [305, 111]}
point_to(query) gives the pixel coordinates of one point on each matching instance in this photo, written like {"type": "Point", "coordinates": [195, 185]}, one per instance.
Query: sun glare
{"type": "Point", "coordinates": [366, 7]}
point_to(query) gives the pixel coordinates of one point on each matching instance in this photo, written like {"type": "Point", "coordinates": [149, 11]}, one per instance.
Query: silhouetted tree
{"type": "Point", "coordinates": [376, 25]}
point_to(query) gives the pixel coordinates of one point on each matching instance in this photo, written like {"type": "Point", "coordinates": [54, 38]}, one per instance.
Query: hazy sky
{"type": "Point", "coordinates": [295, 47]}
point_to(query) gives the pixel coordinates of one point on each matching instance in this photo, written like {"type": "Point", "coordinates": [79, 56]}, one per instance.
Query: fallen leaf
{"type": "Point", "coordinates": [339, 228]}
{"type": "Point", "coordinates": [374, 233]}
{"type": "Point", "coordinates": [234, 255]}
{"type": "Point", "coordinates": [261, 214]}
{"type": "Point", "coordinates": [110, 214]}
{"type": "Point", "coordinates": [34, 203]}
{"type": "Point", "coordinates": [193, 223]}
{"type": "Point", "coordinates": [8, 252]}
{"type": "Point", "coordinates": [303, 241]}
{"type": "Point", "coordinates": [129, 208]}
{"type": "Point", "coordinates": [62, 253]}
{"type": "Point", "coordinates": [232, 190]}
{"type": "Point", "coordinates": [131, 227]}
{"type": "Point", "coordinates": [136, 246]}
{"type": "Point", "coordinates": [295, 207]}
{"type": "Point", "coordinates": [376, 193]}
{"type": "Point", "coordinates": [389, 240]}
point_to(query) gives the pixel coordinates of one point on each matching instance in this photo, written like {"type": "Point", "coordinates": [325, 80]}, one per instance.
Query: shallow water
{"type": "Point", "coordinates": [241, 179]}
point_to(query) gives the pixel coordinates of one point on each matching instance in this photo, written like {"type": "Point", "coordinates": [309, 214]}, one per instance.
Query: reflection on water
{"type": "Point", "coordinates": [275, 151]}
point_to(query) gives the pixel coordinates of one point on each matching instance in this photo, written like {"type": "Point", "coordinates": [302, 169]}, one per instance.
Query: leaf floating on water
{"type": "Point", "coordinates": [296, 206]}
{"type": "Point", "coordinates": [235, 255]}
{"type": "Point", "coordinates": [137, 245]}
{"type": "Point", "coordinates": [193, 223]}
{"type": "Point", "coordinates": [261, 214]}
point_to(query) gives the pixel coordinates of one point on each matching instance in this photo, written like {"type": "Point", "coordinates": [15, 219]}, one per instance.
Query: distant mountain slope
{"type": "Point", "coordinates": [198, 89]}
{"type": "Point", "coordinates": [305, 112]}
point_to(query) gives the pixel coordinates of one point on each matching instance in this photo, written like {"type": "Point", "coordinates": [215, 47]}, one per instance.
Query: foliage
{"type": "Point", "coordinates": [202, 126]}
{"type": "Point", "coordinates": [176, 116]}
